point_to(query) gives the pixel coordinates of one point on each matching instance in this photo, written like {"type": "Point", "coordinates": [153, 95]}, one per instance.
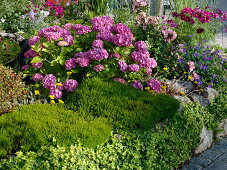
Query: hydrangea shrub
{"type": "Point", "coordinates": [59, 56]}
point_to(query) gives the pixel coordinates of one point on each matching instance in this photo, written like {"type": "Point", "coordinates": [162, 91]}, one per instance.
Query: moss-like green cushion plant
{"type": "Point", "coordinates": [31, 126]}
{"type": "Point", "coordinates": [124, 106]}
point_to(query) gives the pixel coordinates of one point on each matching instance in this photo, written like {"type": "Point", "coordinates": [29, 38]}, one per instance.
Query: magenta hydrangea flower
{"type": "Point", "coordinates": [121, 29]}
{"type": "Point", "coordinates": [97, 44]}
{"type": "Point", "coordinates": [137, 84]}
{"type": "Point", "coordinates": [56, 93]}
{"type": "Point", "coordinates": [25, 67]}
{"type": "Point", "coordinates": [70, 64]}
{"type": "Point", "coordinates": [69, 39]}
{"type": "Point", "coordinates": [121, 40]}
{"type": "Point", "coordinates": [33, 40]}
{"type": "Point", "coordinates": [68, 26]}
{"type": "Point", "coordinates": [144, 59]}
{"type": "Point", "coordinates": [148, 71]}
{"type": "Point", "coordinates": [101, 23]}
{"type": "Point", "coordinates": [83, 61]}
{"type": "Point", "coordinates": [154, 85]}
{"type": "Point", "coordinates": [134, 67]}
{"type": "Point", "coordinates": [52, 36]}
{"type": "Point", "coordinates": [120, 80]}
{"type": "Point", "coordinates": [99, 67]}
{"type": "Point", "coordinates": [70, 85]}
{"type": "Point", "coordinates": [30, 54]}
{"type": "Point", "coordinates": [82, 29]}
{"type": "Point", "coordinates": [61, 86]}
{"type": "Point", "coordinates": [37, 77]}
{"type": "Point", "coordinates": [122, 65]}
{"type": "Point", "coordinates": [105, 35]}
{"type": "Point", "coordinates": [141, 46]}
{"type": "Point", "coordinates": [191, 66]}
{"type": "Point", "coordinates": [98, 54]}
{"type": "Point", "coordinates": [37, 65]}
{"type": "Point", "coordinates": [49, 81]}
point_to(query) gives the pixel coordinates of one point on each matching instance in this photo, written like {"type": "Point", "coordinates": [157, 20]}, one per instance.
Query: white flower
{"type": "Point", "coordinates": [46, 13]}
{"type": "Point", "coordinates": [2, 20]}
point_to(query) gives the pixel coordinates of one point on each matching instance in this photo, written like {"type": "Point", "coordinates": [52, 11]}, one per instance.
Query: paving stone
{"type": "Point", "coordinates": [218, 164]}
{"type": "Point", "coordinates": [219, 148]}
{"type": "Point", "coordinates": [199, 161]}
{"type": "Point", "coordinates": [210, 155]}
{"type": "Point", "coordinates": [222, 142]}
{"type": "Point", "coordinates": [191, 167]}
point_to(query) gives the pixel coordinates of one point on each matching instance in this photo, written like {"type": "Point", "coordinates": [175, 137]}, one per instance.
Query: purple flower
{"type": "Point", "coordinates": [120, 80]}
{"type": "Point", "coordinates": [99, 67]}
{"type": "Point", "coordinates": [101, 23]}
{"type": "Point", "coordinates": [30, 54]}
{"type": "Point", "coordinates": [37, 65]}
{"type": "Point", "coordinates": [104, 35]}
{"type": "Point", "coordinates": [70, 64]}
{"type": "Point", "coordinates": [148, 71]}
{"type": "Point", "coordinates": [122, 65]}
{"type": "Point", "coordinates": [68, 26]}
{"type": "Point", "coordinates": [141, 46]}
{"type": "Point", "coordinates": [83, 61]}
{"type": "Point", "coordinates": [180, 61]}
{"type": "Point", "coordinates": [134, 67]}
{"type": "Point", "coordinates": [137, 85]}
{"type": "Point", "coordinates": [52, 36]}
{"type": "Point", "coordinates": [56, 93]}
{"type": "Point", "coordinates": [37, 77]}
{"type": "Point", "coordinates": [98, 54]}
{"type": "Point", "coordinates": [49, 81]}
{"type": "Point", "coordinates": [33, 40]}
{"type": "Point", "coordinates": [70, 85]}
{"type": "Point", "coordinates": [69, 39]}
{"type": "Point", "coordinates": [25, 67]}
{"type": "Point", "coordinates": [97, 44]}
{"type": "Point", "coordinates": [122, 29]}
{"type": "Point", "coordinates": [121, 40]}
{"type": "Point", "coordinates": [154, 85]}
{"type": "Point", "coordinates": [82, 29]}
{"type": "Point", "coordinates": [61, 86]}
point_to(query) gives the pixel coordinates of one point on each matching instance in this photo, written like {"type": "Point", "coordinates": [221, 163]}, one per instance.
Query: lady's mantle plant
{"type": "Point", "coordinates": [61, 56]}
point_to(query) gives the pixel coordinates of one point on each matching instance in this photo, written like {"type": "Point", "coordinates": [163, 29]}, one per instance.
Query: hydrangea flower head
{"type": "Point", "coordinates": [49, 81]}
{"type": "Point", "coordinates": [30, 54]}
{"type": "Point", "coordinates": [97, 44]}
{"type": "Point", "coordinates": [99, 67]}
{"type": "Point", "coordinates": [37, 65]}
{"type": "Point", "coordinates": [134, 67]}
{"type": "Point", "coordinates": [137, 84]}
{"type": "Point", "coordinates": [37, 77]}
{"type": "Point", "coordinates": [56, 93]}
{"type": "Point", "coordinates": [141, 46]}
{"type": "Point", "coordinates": [70, 85]}
{"type": "Point", "coordinates": [70, 64]}
{"type": "Point", "coordinates": [154, 85]}
{"type": "Point", "coordinates": [122, 65]}
{"type": "Point", "coordinates": [33, 40]}
{"type": "Point", "coordinates": [101, 23]}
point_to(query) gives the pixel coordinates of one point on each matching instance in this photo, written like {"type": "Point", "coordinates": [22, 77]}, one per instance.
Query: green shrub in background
{"type": "Point", "coordinates": [12, 89]}
{"type": "Point", "coordinates": [162, 148]}
{"type": "Point", "coordinates": [125, 107]}
{"type": "Point", "coordinates": [31, 126]}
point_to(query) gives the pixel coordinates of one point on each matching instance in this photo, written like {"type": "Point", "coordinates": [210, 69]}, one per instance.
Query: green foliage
{"type": "Point", "coordinates": [12, 89]}
{"type": "Point", "coordinates": [157, 149]}
{"type": "Point", "coordinates": [9, 50]}
{"type": "Point", "coordinates": [32, 126]}
{"type": "Point", "coordinates": [125, 107]}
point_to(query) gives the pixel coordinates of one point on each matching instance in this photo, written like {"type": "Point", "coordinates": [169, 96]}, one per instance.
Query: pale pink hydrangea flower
{"type": "Point", "coordinates": [63, 43]}
{"type": "Point", "coordinates": [37, 65]}
{"type": "Point", "coordinates": [191, 66]}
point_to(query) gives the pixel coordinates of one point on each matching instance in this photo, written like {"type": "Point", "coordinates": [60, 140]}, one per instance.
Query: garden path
{"type": "Point", "coordinates": [215, 158]}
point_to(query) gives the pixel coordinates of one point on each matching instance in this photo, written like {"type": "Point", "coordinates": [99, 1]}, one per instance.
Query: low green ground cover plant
{"type": "Point", "coordinates": [163, 147]}
{"type": "Point", "coordinates": [123, 106]}
{"type": "Point", "coordinates": [32, 126]}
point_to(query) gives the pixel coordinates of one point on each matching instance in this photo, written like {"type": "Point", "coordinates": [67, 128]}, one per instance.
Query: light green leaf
{"type": "Point", "coordinates": [36, 60]}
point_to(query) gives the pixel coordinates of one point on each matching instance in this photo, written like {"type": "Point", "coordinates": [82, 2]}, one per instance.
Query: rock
{"type": "Point", "coordinates": [183, 100]}
{"type": "Point", "coordinates": [210, 93]}
{"type": "Point", "coordinates": [180, 85]}
{"type": "Point", "coordinates": [206, 138]}
{"type": "Point", "coordinates": [221, 131]}
{"type": "Point", "coordinates": [200, 99]}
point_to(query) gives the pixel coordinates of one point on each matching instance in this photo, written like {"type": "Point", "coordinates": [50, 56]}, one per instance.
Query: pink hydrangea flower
{"type": "Point", "coordinates": [70, 64]}
{"type": "Point", "coordinates": [122, 65]}
{"type": "Point", "coordinates": [56, 93]}
{"type": "Point", "coordinates": [134, 67]}
{"type": "Point", "coordinates": [37, 65]}
{"type": "Point", "coordinates": [101, 23]}
{"type": "Point", "coordinates": [25, 67]}
{"type": "Point", "coordinates": [68, 26]}
{"type": "Point", "coordinates": [30, 54]}
{"type": "Point", "coordinates": [191, 66]}
{"type": "Point", "coordinates": [70, 85]}
{"type": "Point", "coordinates": [98, 54]}
{"type": "Point", "coordinates": [63, 43]}
{"type": "Point", "coordinates": [154, 85]}
{"type": "Point", "coordinates": [97, 44]}
{"type": "Point", "coordinates": [52, 36]}
{"type": "Point", "coordinates": [37, 77]}
{"type": "Point", "coordinates": [148, 71]}
{"type": "Point", "coordinates": [69, 39]}
{"type": "Point", "coordinates": [122, 29]}
{"type": "Point", "coordinates": [120, 80]}
{"type": "Point", "coordinates": [105, 35]}
{"type": "Point", "coordinates": [99, 67]}
{"type": "Point", "coordinates": [137, 85]}
{"type": "Point", "coordinates": [169, 35]}
{"type": "Point", "coordinates": [49, 81]}
{"type": "Point", "coordinates": [33, 40]}
{"type": "Point", "coordinates": [141, 46]}
{"type": "Point", "coordinates": [83, 61]}
{"type": "Point", "coordinates": [81, 29]}
{"type": "Point", "coordinates": [121, 40]}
